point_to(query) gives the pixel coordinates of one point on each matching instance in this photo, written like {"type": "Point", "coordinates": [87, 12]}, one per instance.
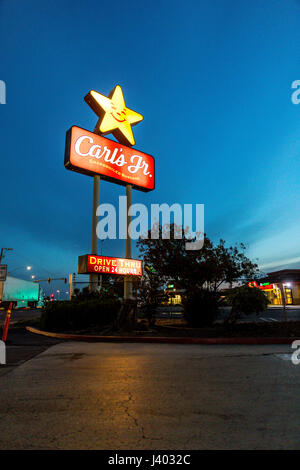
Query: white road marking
{"type": "Point", "coordinates": [268, 320]}
{"type": "Point", "coordinates": [284, 357]}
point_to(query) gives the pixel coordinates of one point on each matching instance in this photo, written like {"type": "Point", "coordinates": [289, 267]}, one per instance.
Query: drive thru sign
{"type": "Point", "coordinates": [88, 264]}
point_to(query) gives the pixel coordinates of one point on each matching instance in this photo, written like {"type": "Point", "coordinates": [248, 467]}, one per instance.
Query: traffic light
{"type": "Point", "coordinates": [65, 280]}
{"type": "Point", "coordinates": [52, 296]}
{"type": "Point", "coordinates": [49, 280]}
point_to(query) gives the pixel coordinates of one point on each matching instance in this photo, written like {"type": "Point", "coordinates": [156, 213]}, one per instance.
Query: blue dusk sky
{"type": "Point", "coordinates": [213, 81]}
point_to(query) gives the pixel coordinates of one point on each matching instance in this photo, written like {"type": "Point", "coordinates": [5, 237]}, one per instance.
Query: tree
{"type": "Point", "coordinates": [196, 269]}
{"type": "Point", "coordinates": [247, 300]}
{"type": "Point", "coordinates": [150, 293]}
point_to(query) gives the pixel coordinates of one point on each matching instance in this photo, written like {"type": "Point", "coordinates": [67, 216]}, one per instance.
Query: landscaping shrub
{"type": "Point", "coordinates": [200, 308]}
{"type": "Point", "coordinates": [76, 315]}
{"type": "Point", "coordinates": [247, 300]}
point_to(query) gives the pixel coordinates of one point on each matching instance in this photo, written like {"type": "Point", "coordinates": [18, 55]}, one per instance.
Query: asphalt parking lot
{"type": "Point", "coordinates": [146, 396]}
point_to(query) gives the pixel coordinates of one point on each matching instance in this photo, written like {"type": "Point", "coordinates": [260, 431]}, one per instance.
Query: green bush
{"type": "Point", "coordinates": [76, 315]}
{"type": "Point", "coordinates": [200, 308]}
{"type": "Point", "coordinates": [247, 300]}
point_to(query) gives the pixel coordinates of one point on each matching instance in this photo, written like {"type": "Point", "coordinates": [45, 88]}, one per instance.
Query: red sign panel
{"type": "Point", "coordinates": [261, 286]}
{"type": "Point", "coordinates": [93, 154]}
{"type": "Point", "coordinates": [267, 287]}
{"type": "Point", "coordinates": [88, 264]}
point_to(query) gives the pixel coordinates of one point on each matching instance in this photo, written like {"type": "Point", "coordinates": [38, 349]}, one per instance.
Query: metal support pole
{"type": "Point", "coordinates": [127, 279]}
{"type": "Point", "coordinates": [1, 290]}
{"type": "Point", "coordinates": [283, 301]}
{"type": "Point", "coordinates": [94, 243]}
{"type": "Point", "coordinates": [101, 243]}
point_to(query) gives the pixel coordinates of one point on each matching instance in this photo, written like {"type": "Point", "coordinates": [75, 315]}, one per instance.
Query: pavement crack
{"type": "Point", "coordinates": [139, 426]}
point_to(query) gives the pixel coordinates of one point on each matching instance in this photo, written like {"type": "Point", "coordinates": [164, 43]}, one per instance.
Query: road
{"type": "Point", "coordinates": [146, 396]}
{"type": "Point", "coordinates": [272, 314]}
{"type": "Point", "coordinates": [20, 314]}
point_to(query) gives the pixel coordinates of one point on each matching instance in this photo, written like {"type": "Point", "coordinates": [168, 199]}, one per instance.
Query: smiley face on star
{"type": "Point", "coordinates": [114, 116]}
{"type": "Point", "coordinates": [119, 114]}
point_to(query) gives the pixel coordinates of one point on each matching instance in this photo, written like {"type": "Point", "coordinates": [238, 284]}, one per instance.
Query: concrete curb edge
{"type": "Point", "coordinates": [167, 340]}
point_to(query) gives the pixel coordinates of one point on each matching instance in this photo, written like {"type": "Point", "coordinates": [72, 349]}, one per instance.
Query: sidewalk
{"type": "Point", "coordinates": [22, 346]}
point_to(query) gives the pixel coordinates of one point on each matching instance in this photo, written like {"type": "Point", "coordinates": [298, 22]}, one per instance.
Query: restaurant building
{"type": "Point", "coordinates": [173, 294]}
{"type": "Point", "coordinates": [281, 283]}
{"type": "Point", "coordinates": [276, 284]}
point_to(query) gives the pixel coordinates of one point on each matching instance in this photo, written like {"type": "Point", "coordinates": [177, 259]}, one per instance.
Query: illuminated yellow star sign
{"type": "Point", "coordinates": [113, 115]}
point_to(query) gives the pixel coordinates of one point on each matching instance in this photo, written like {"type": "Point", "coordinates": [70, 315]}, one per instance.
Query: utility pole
{"type": "Point", "coordinates": [2, 282]}
{"type": "Point", "coordinates": [2, 253]}
{"type": "Point", "coordinates": [72, 284]}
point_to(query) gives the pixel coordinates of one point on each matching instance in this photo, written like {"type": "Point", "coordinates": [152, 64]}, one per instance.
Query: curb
{"type": "Point", "coordinates": [166, 340]}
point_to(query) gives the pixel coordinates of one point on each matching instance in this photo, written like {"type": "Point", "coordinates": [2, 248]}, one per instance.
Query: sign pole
{"type": "Point", "coordinates": [3, 275]}
{"type": "Point", "coordinates": [127, 279]}
{"type": "Point", "coordinates": [94, 242]}
{"type": "Point", "coordinates": [121, 161]}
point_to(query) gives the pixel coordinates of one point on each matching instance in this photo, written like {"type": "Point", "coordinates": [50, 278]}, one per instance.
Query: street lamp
{"type": "Point", "coordinates": [28, 268]}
